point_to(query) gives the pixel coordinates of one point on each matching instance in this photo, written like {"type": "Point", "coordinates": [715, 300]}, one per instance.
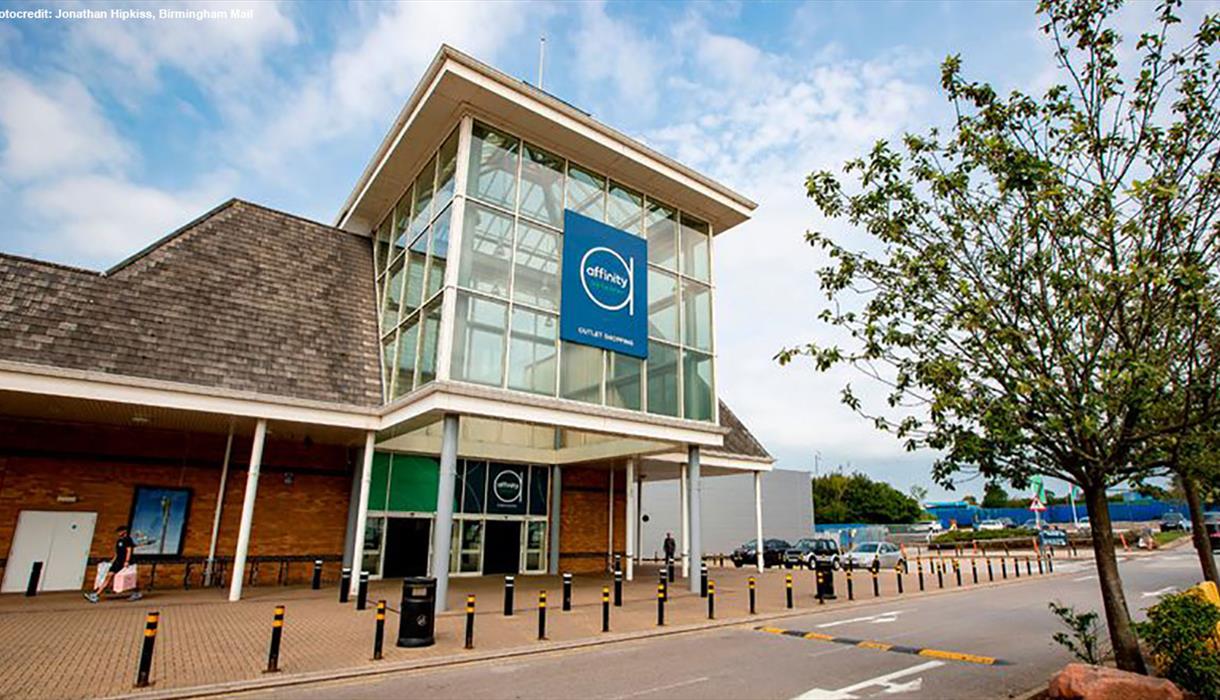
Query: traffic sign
{"type": "Point", "coordinates": [1036, 505]}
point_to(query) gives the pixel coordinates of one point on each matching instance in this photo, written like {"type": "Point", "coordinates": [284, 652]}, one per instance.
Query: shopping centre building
{"type": "Point", "coordinates": [507, 329]}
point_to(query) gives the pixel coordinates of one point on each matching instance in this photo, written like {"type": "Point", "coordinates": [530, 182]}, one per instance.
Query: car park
{"type": "Point", "coordinates": [805, 552]}
{"type": "Point", "coordinates": [875, 556]}
{"type": "Point", "coordinates": [773, 553]}
{"type": "Point", "coordinates": [1174, 521]}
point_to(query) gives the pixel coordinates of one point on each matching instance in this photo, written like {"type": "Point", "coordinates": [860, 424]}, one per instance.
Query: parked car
{"type": "Point", "coordinates": [1174, 521]}
{"type": "Point", "coordinates": [1034, 525]}
{"type": "Point", "coordinates": [773, 553]}
{"type": "Point", "coordinates": [810, 549]}
{"type": "Point", "coordinates": [932, 527]}
{"type": "Point", "coordinates": [990, 524]}
{"type": "Point", "coordinates": [1212, 522]}
{"type": "Point", "coordinates": [875, 555]}
{"type": "Point", "coordinates": [1083, 524]}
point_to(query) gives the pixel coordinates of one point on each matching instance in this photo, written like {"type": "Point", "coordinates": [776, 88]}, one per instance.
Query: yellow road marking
{"type": "Point", "coordinates": [819, 635]}
{"type": "Point", "coordinates": [882, 646]}
{"type": "Point", "coordinates": [957, 656]}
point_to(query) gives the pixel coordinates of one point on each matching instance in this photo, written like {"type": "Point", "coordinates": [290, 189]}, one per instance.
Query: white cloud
{"type": "Point", "coordinates": [101, 217]}
{"type": "Point", "coordinates": [617, 53]}
{"type": "Point", "coordinates": [52, 127]}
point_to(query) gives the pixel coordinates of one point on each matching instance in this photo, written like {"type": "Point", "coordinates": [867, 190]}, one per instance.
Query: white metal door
{"type": "Point", "coordinates": [58, 539]}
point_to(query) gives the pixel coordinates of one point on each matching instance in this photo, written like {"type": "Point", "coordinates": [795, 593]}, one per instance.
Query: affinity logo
{"type": "Point", "coordinates": [608, 279]}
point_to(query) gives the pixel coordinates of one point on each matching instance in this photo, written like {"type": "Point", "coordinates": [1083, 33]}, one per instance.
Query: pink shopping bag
{"type": "Point", "coordinates": [126, 579]}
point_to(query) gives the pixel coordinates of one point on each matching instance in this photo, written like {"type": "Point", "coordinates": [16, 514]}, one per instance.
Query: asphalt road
{"type": "Point", "coordinates": [1011, 623]}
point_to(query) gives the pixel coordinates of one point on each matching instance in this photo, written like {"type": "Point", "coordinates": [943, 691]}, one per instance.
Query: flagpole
{"type": "Point", "coordinates": [1072, 498]}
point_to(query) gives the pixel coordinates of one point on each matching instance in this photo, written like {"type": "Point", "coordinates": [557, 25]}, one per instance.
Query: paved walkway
{"type": "Point", "coordinates": [60, 646]}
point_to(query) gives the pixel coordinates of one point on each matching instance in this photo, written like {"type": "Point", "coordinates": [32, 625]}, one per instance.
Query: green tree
{"type": "Point", "coordinates": [855, 498]}
{"type": "Point", "coordinates": [1020, 276]}
{"type": "Point", "coordinates": [994, 496]}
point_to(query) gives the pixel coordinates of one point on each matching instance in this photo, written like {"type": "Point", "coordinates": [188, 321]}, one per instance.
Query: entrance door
{"type": "Point", "coordinates": [502, 547]}
{"type": "Point", "coordinates": [406, 547]}
{"type": "Point", "coordinates": [58, 539]}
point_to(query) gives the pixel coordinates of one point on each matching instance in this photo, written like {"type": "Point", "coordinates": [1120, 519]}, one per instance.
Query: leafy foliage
{"type": "Point", "coordinates": [1083, 637]}
{"type": "Point", "coordinates": [855, 498]}
{"type": "Point", "coordinates": [994, 496]}
{"type": "Point", "coordinates": [1181, 632]}
{"type": "Point", "coordinates": [1007, 533]}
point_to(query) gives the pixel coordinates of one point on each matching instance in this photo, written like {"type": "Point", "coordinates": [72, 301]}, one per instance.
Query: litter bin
{"type": "Point", "coordinates": [826, 577]}
{"type": "Point", "coordinates": [417, 620]}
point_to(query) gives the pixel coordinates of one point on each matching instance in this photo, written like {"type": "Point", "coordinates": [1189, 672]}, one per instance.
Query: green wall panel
{"type": "Point", "coordinates": [413, 481]}
{"type": "Point", "coordinates": [380, 481]}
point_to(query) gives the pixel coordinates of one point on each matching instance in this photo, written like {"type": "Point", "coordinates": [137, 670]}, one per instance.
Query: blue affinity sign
{"type": "Point", "coordinates": [604, 296]}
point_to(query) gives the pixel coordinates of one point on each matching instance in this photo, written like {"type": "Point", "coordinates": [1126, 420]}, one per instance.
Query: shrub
{"type": "Point", "coordinates": [1084, 640]}
{"type": "Point", "coordinates": [1181, 632]}
{"type": "Point", "coordinates": [954, 536]}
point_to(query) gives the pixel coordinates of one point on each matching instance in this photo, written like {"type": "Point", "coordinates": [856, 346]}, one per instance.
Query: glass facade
{"type": "Point", "coordinates": [506, 305]}
{"type": "Point", "coordinates": [508, 296]}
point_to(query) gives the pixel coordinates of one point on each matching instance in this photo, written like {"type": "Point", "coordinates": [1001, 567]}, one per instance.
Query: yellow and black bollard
{"type": "Point", "coordinates": [605, 608]}
{"type": "Point", "coordinates": [469, 620]}
{"type": "Point", "coordinates": [788, 589]}
{"type": "Point", "coordinates": [818, 583]}
{"type": "Point", "coordinates": [974, 570]}
{"type": "Point", "coordinates": [851, 594]}
{"type": "Point", "coordinates": [875, 570]}
{"type": "Point", "coordinates": [146, 651]}
{"type": "Point", "coordinates": [567, 592]}
{"type": "Point", "coordinates": [379, 635]}
{"type": "Point", "coordinates": [898, 577]}
{"type": "Point", "coordinates": [660, 605]}
{"type": "Point", "coordinates": [711, 600]}
{"type": "Point", "coordinates": [510, 584]}
{"type": "Point", "coordinates": [751, 595]}
{"type": "Point", "coordinates": [541, 614]}
{"type": "Point", "coordinates": [277, 633]}
{"type": "Point", "coordinates": [664, 583]}
{"type": "Point", "coordinates": [957, 572]}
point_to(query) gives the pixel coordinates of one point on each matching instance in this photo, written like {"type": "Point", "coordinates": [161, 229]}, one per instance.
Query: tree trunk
{"type": "Point", "coordinates": [1118, 620]}
{"type": "Point", "coordinates": [1198, 528]}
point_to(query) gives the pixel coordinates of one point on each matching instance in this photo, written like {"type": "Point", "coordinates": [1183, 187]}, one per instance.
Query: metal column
{"type": "Point", "coordinates": [220, 502]}
{"type": "Point", "coordinates": [629, 485]}
{"type": "Point", "coordinates": [247, 510]}
{"type": "Point", "coordinates": [685, 526]}
{"type": "Point", "coordinates": [362, 509]}
{"type": "Point", "coordinates": [758, 521]}
{"type": "Point", "coordinates": [442, 529]}
{"type": "Point", "coordinates": [693, 492]}
{"type": "Point", "coordinates": [556, 511]}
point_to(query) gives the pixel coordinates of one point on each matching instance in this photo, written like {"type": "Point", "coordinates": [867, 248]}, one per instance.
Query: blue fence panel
{"type": "Point", "coordinates": [1059, 513]}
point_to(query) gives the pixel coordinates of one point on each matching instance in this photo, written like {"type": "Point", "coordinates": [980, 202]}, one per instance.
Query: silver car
{"type": "Point", "coordinates": [875, 555]}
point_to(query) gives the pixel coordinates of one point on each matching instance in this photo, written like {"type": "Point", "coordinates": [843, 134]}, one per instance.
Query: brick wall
{"type": "Point", "coordinates": [101, 466]}
{"type": "Point", "coordinates": [584, 518]}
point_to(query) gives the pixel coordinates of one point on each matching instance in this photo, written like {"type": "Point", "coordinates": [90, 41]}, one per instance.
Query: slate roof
{"type": "Point", "coordinates": [739, 440]}
{"type": "Point", "coordinates": [244, 298]}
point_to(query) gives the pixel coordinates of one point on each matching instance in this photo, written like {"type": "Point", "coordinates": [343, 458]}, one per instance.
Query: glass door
{"type": "Point", "coordinates": [534, 548]}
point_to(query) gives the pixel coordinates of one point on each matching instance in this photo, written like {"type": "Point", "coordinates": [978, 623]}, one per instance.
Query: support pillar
{"type": "Point", "coordinates": [247, 511]}
{"type": "Point", "coordinates": [362, 509]}
{"type": "Point", "coordinates": [610, 527]}
{"type": "Point", "coordinates": [758, 533]}
{"type": "Point", "coordinates": [220, 502]}
{"type": "Point", "coordinates": [442, 529]}
{"type": "Point", "coordinates": [684, 524]}
{"type": "Point", "coordinates": [629, 486]}
{"type": "Point", "coordinates": [694, 490]}
{"type": "Point", "coordinates": [556, 511]}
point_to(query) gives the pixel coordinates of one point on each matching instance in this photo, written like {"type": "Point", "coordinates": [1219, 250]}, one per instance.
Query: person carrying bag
{"type": "Point", "coordinates": [121, 569]}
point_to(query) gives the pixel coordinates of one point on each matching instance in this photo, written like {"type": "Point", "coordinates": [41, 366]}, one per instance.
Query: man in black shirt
{"type": "Point", "coordinates": [124, 555]}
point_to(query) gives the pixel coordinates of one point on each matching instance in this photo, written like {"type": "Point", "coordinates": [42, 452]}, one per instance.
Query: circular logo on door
{"type": "Point", "coordinates": [507, 486]}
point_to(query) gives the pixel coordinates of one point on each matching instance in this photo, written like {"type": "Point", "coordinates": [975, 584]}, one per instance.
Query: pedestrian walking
{"type": "Point", "coordinates": [124, 557]}
{"type": "Point", "coordinates": [670, 546]}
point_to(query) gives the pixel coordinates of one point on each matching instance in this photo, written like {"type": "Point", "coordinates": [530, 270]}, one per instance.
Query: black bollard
{"type": "Point", "coordinates": [851, 595]}
{"type": "Point", "coordinates": [1040, 572]}
{"type": "Point", "coordinates": [146, 651]}
{"type": "Point", "coordinates": [876, 586]}
{"type": "Point", "coordinates": [1029, 569]}
{"type": "Point", "coordinates": [711, 600]}
{"type": "Point", "coordinates": [919, 568]}
{"type": "Point", "coordinates": [31, 586]}
{"type": "Point", "coordinates": [618, 588]}
{"type": "Point", "coordinates": [957, 572]}
{"type": "Point", "coordinates": [660, 605]}
{"type": "Point", "coordinates": [362, 591]}
{"type": "Point", "coordinates": [751, 595]}
{"type": "Point", "coordinates": [605, 608]}
{"type": "Point", "coordinates": [379, 634]}
{"type": "Point", "coordinates": [669, 568]}
{"type": "Point", "coordinates": [974, 570]}
{"type": "Point", "coordinates": [1050, 565]}
{"type": "Point", "coordinates": [317, 575]}
{"type": "Point", "coordinates": [1016, 567]}
{"type": "Point", "coordinates": [1003, 568]}
{"type": "Point", "coordinates": [345, 584]}
{"type": "Point", "coordinates": [788, 589]}
{"type": "Point", "coordinates": [277, 633]}
{"type": "Point", "coordinates": [567, 592]}
{"type": "Point", "coordinates": [470, 621]}
{"type": "Point", "coordinates": [898, 577]}
{"type": "Point", "coordinates": [541, 614]}
{"type": "Point", "coordinates": [702, 580]}
{"type": "Point", "coordinates": [940, 576]}
{"type": "Point", "coordinates": [990, 573]}
{"type": "Point", "coordinates": [509, 585]}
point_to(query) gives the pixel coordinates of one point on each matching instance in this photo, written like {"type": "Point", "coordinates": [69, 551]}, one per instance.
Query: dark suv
{"type": "Point", "coordinates": [773, 553]}
{"type": "Point", "coordinates": [1174, 521]}
{"type": "Point", "coordinates": [810, 549]}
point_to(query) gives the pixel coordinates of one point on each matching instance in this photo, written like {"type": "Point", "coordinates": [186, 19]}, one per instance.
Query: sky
{"type": "Point", "coordinates": [114, 132]}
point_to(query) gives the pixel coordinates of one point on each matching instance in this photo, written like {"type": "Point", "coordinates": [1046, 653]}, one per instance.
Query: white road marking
{"type": "Point", "coordinates": [659, 688]}
{"type": "Point", "coordinates": [875, 619]}
{"type": "Point", "coordinates": [885, 682]}
{"type": "Point", "coordinates": [1085, 578]}
{"type": "Point", "coordinates": [1158, 593]}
